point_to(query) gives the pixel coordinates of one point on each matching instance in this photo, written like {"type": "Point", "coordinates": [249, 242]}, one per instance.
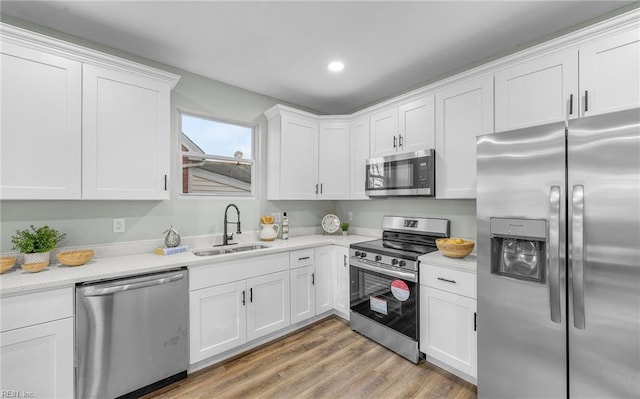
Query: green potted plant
{"type": "Point", "coordinates": [36, 244]}
{"type": "Point", "coordinates": [345, 227]}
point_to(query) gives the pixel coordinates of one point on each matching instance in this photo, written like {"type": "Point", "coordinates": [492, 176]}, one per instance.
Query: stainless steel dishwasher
{"type": "Point", "coordinates": [132, 334]}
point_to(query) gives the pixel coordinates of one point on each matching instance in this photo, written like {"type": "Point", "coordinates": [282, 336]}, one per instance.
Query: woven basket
{"type": "Point", "coordinates": [75, 258]}
{"type": "Point", "coordinates": [454, 250]}
{"type": "Point", "coordinates": [7, 263]}
{"type": "Point", "coordinates": [35, 267]}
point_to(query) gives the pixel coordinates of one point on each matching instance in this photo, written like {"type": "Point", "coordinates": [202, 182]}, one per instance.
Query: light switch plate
{"type": "Point", "coordinates": [119, 226]}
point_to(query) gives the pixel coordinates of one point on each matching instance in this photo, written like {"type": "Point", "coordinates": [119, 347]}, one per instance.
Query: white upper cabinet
{"type": "Point", "coordinates": [333, 160]}
{"type": "Point", "coordinates": [80, 124]}
{"type": "Point", "coordinates": [610, 73]}
{"type": "Point", "coordinates": [463, 112]}
{"type": "Point", "coordinates": [359, 147]}
{"type": "Point", "coordinates": [125, 135]}
{"type": "Point", "coordinates": [41, 117]}
{"type": "Point", "coordinates": [416, 124]}
{"type": "Point", "coordinates": [298, 158]}
{"type": "Point", "coordinates": [537, 91]}
{"type": "Point", "coordinates": [384, 132]}
{"type": "Point", "coordinates": [406, 127]}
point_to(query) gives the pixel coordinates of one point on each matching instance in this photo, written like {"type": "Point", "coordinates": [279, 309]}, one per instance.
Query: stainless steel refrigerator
{"type": "Point", "coordinates": [559, 260]}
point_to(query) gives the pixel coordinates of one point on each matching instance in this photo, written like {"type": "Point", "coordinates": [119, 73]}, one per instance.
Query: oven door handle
{"type": "Point", "coordinates": [389, 272]}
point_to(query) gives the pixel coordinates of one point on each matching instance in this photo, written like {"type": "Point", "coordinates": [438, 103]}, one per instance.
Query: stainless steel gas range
{"type": "Point", "coordinates": [384, 282]}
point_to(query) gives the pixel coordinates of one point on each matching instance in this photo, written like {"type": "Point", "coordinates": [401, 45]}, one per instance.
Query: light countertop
{"type": "Point", "coordinates": [466, 264]}
{"type": "Point", "coordinates": [17, 281]}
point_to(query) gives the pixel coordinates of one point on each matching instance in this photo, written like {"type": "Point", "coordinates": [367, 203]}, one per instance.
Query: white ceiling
{"type": "Point", "coordinates": [281, 49]}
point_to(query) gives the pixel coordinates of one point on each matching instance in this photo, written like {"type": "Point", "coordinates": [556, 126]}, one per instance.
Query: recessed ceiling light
{"type": "Point", "coordinates": [336, 66]}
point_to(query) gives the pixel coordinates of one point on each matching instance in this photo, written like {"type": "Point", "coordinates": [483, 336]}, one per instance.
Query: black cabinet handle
{"type": "Point", "coordinates": [475, 321]}
{"type": "Point", "coordinates": [394, 142]}
{"type": "Point", "coordinates": [320, 188]}
{"type": "Point", "coordinates": [313, 279]}
{"type": "Point", "coordinates": [400, 140]}
{"type": "Point", "coordinates": [165, 182]}
{"type": "Point", "coordinates": [447, 280]}
{"type": "Point", "coordinates": [586, 100]}
{"type": "Point", "coordinates": [251, 295]}
{"type": "Point", "coordinates": [344, 260]}
{"type": "Point", "coordinates": [244, 300]}
{"type": "Point", "coordinates": [303, 258]}
{"type": "Point", "coordinates": [316, 189]}
{"type": "Point", "coordinates": [571, 104]}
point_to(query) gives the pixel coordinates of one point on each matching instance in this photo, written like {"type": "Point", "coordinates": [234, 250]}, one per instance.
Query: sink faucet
{"type": "Point", "coordinates": [225, 237]}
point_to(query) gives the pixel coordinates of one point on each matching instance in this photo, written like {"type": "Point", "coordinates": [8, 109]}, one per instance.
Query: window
{"type": "Point", "coordinates": [217, 157]}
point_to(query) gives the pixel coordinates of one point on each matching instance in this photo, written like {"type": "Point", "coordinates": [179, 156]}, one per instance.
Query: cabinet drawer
{"type": "Point", "coordinates": [301, 258]}
{"type": "Point", "coordinates": [34, 308]}
{"type": "Point", "coordinates": [449, 280]}
{"type": "Point", "coordinates": [226, 272]}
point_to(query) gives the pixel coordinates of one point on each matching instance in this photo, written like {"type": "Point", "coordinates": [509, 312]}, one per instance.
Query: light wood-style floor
{"type": "Point", "coordinates": [326, 360]}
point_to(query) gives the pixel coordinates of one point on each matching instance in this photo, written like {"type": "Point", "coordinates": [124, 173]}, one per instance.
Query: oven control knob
{"type": "Point", "coordinates": [394, 261]}
{"type": "Point", "coordinates": [403, 263]}
{"type": "Point", "coordinates": [378, 258]}
{"type": "Point", "coordinates": [363, 254]}
{"type": "Point", "coordinates": [357, 253]}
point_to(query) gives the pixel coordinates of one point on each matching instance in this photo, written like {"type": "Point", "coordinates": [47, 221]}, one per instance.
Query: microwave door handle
{"type": "Point", "coordinates": [553, 254]}
{"type": "Point", "coordinates": [576, 255]}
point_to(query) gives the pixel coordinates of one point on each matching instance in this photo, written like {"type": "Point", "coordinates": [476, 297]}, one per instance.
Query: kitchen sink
{"type": "Point", "coordinates": [229, 250]}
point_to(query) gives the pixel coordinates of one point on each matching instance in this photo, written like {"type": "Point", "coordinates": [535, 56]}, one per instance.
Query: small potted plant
{"type": "Point", "coordinates": [345, 228]}
{"type": "Point", "coordinates": [36, 244]}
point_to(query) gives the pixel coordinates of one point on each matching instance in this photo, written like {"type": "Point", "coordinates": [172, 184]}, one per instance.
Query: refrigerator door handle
{"type": "Point", "coordinates": [576, 255]}
{"type": "Point", "coordinates": [553, 254]}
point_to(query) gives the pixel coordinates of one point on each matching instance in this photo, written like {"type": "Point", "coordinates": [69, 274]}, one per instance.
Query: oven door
{"type": "Point", "coordinates": [385, 296]}
{"type": "Point", "coordinates": [409, 174]}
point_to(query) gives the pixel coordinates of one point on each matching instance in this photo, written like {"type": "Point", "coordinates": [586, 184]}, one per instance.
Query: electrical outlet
{"type": "Point", "coordinates": [118, 226]}
{"type": "Point", "coordinates": [277, 216]}
{"type": "Point", "coordinates": [350, 216]}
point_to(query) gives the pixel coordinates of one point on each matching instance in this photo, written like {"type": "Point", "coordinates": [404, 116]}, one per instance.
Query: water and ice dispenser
{"type": "Point", "coordinates": [518, 249]}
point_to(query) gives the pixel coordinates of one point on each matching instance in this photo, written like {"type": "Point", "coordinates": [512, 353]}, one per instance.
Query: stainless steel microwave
{"type": "Point", "coordinates": [408, 174]}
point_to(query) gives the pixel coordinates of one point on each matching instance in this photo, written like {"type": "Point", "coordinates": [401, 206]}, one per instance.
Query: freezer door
{"type": "Point", "coordinates": [604, 256]}
{"type": "Point", "coordinates": [522, 322]}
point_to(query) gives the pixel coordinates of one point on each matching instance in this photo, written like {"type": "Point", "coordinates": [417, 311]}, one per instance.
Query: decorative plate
{"type": "Point", "coordinates": [330, 223]}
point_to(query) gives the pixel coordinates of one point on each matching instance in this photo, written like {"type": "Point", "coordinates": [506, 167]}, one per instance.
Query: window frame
{"type": "Point", "coordinates": [253, 161]}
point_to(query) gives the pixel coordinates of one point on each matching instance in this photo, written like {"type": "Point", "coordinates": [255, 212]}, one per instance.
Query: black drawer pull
{"type": "Point", "coordinates": [305, 258]}
{"type": "Point", "coordinates": [447, 280]}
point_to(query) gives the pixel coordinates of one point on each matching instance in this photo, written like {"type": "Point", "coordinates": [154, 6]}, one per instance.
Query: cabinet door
{"type": "Point", "coordinates": [341, 297]}
{"type": "Point", "coordinates": [464, 112]}
{"type": "Point", "coordinates": [40, 150]}
{"type": "Point", "coordinates": [537, 91]}
{"type": "Point", "coordinates": [218, 320]}
{"type": "Point", "coordinates": [447, 329]}
{"type": "Point", "coordinates": [269, 306]}
{"type": "Point", "coordinates": [125, 135]}
{"type": "Point", "coordinates": [303, 297]}
{"type": "Point", "coordinates": [610, 73]}
{"type": "Point", "coordinates": [298, 158]}
{"type": "Point", "coordinates": [359, 153]}
{"type": "Point", "coordinates": [37, 361]}
{"type": "Point", "coordinates": [324, 279]}
{"type": "Point", "coordinates": [334, 160]}
{"type": "Point", "coordinates": [384, 132]}
{"type": "Point", "coordinates": [417, 124]}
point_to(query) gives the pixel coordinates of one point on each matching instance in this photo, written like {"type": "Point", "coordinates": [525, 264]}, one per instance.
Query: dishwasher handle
{"type": "Point", "coordinates": [152, 281]}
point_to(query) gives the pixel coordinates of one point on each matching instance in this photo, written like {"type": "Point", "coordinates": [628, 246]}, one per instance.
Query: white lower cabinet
{"type": "Point", "coordinates": [235, 302]}
{"type": "Point", "coordinates": [268, 309]}
{"type": "Point", "coordinates": [36, 345]}
{"type": "Point", "coordinates": [312, 284]}
{"type": "Point", "coordinates": [448, 320]}
{"type": "Point", "coordinates": [341, 287]}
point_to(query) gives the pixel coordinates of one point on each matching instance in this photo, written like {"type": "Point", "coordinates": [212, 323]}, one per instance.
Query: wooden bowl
{"type": "Point", "coordinates": [6, 263]}
{"type": "Point", "coordinates": [75, 258]}
{"type": "Point", "coordinates": [454, 247]}
{"type": "Point", "coordinates": [35, 267]}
